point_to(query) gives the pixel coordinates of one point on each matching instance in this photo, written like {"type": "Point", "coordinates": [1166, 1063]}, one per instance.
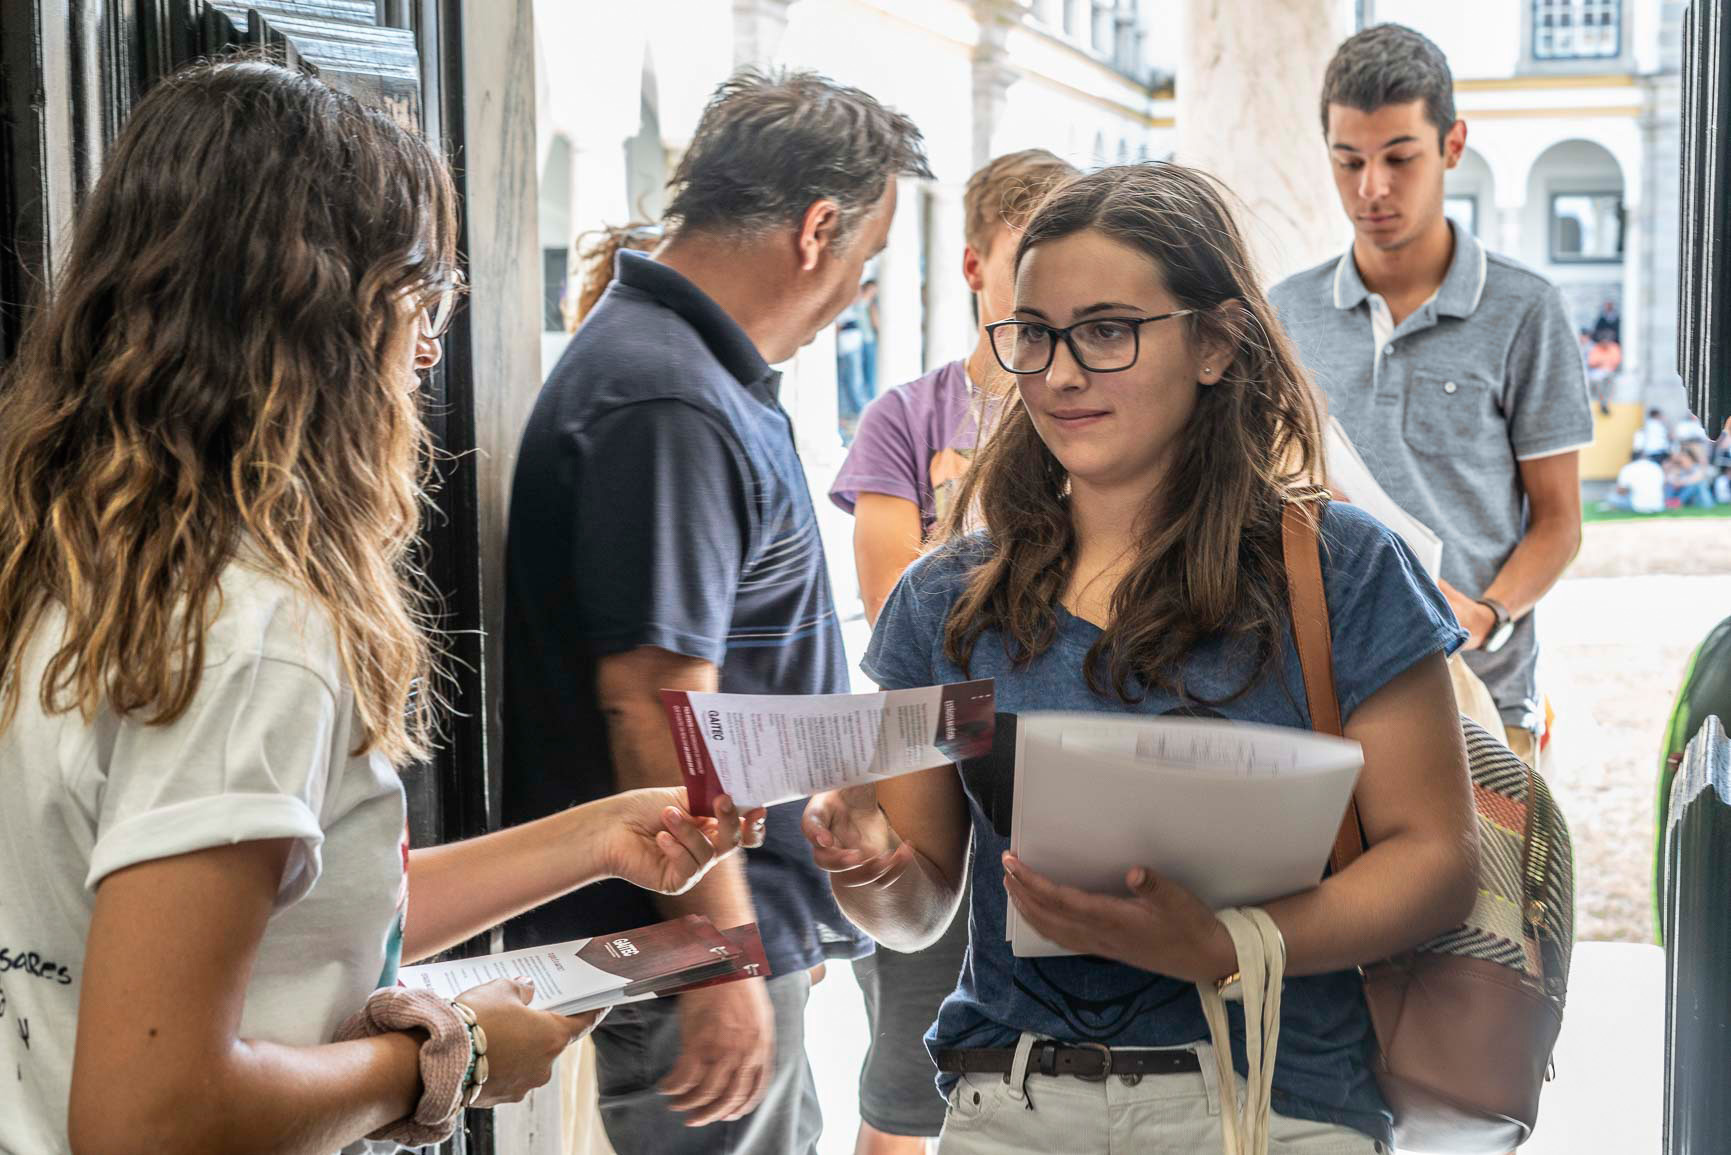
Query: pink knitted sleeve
{"type": "Point", "coordinates": [445, 1058]}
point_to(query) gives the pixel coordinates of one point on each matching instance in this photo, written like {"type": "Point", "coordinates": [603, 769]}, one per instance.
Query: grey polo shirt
{"type": "Point", "coordinates": [1485, 375]}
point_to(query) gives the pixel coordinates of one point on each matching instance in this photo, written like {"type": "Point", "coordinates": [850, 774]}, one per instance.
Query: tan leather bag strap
{"type": "Point", "coordinates": [1309, 608]}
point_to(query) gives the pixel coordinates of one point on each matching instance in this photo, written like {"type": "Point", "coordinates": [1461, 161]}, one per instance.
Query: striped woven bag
{"type": "Point", "coordinates": [1465, 1023]}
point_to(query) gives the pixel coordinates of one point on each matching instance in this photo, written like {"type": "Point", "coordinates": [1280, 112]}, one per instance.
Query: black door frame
{"type": "Point", "coordinates": [1704, 334]}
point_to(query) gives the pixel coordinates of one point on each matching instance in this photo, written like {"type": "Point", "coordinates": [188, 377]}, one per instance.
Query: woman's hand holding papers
{"type": "Point", "coordinates": [1159, 926]}
{"type": "Point", "coordinates": [852, 839]}
{"type": "Point", "coordinates": [522, 1044]}
{"type": "Point", "coordinates": [650, 839]}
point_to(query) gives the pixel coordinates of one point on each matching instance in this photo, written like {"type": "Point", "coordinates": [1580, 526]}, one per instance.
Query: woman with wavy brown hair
{"type": "Point", "coordinates": [215, 654]}
{"type": "Point", "coordinates": [1131, 561]}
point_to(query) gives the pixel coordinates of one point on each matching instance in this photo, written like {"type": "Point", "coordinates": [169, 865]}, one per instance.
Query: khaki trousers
{"type": "Point", "coordinates": [1153, 1115]}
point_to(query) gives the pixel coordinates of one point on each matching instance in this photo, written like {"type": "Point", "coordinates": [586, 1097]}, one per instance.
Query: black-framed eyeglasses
{"type": "Point", "coordinates": [440, 307]}
{"type": "Point", "coordinates": [1099, 344]}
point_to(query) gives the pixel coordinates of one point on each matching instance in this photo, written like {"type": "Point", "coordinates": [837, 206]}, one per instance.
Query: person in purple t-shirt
{"type": "Point", "coordinates": [908, 456]}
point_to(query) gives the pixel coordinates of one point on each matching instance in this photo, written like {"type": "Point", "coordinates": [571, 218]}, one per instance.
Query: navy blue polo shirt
{"type": "Point", "coordinates": [659, 501]}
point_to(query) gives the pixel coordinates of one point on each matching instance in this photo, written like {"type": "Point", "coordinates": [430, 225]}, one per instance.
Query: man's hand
{"type": "Point", "coordinates": [727, 1047]}
{"type": "Point", "coordinates": [1475, 617]}
{"type": "Point", "coordinates": [651, 840]}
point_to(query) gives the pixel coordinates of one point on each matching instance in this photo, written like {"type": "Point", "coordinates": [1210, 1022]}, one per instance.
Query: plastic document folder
{"type": "Point", "coordinates": [1239, 814]}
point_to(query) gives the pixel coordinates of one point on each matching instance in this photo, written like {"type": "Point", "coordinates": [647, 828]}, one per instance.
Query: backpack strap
{"type": "Point", "coordinates": [1310, 629]}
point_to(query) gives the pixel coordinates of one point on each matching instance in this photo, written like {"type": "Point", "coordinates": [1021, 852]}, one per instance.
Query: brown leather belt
{"type": "Point", "coordinates": [1091, 1061]}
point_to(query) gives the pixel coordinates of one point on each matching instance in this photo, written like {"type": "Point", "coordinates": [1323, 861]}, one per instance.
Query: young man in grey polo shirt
{"type": "Point", "coordinates": [1455, 371]}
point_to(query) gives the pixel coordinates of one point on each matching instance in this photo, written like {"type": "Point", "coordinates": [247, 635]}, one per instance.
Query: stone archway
{"type": "Point", "coordinates": [1471, 192]}
{"type": "Point", "coordinates": [1573, 225]}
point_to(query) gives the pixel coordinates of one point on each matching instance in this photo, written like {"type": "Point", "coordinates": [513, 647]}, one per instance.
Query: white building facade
{"type": "Point", "coordinates": [1573, 143]}
{"type": "Point", "coordinates": [1572, 107]}
{"type": "Point", "coordinates": [621, 86]}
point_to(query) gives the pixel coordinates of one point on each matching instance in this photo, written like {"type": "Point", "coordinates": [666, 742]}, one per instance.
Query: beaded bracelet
{"type": "Point", "coordinates": [476, 1076]}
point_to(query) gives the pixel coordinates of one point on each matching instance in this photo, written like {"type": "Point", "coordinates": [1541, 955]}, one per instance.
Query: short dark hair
{"type": "Point", "coordinates": [771, 144]}
{"type": "Point", "coordinates": [1390, 64]}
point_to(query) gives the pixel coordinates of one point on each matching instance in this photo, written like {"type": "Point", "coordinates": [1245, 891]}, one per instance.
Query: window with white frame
{"type": "Point", "coordinates": [1587, 227]}
{"type": "Point", "coordinates": [1577, 29]}
{"type": "Point", "coordinates": [1463, 210]}
{"type": "Point", "coordinates": [1077, 15]}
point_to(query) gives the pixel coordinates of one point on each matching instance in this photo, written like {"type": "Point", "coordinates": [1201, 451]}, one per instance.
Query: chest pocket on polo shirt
{"type": "Point", "coordinates": [1452, 416]}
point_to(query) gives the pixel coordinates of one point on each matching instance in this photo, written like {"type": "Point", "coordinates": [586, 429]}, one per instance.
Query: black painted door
{"type": "Point", "coordinates": [1704, 332]}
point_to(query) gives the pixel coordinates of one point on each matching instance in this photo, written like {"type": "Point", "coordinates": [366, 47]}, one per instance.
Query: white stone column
{"type": "Point", "coordinates": [1249, 79]}
{"type": "Point", "coordinates": [1511, 217]}
{"type": "Point", "coordinates": [950, 329]}
{"type": "Point", "coordinates": [758, 26]}
{"type": "Point", "coordinates": [993, 72]}
{"type": "Point", "coordinates": [901, 307]}
{"type": "Point", "coordinates": [1635, 301]}
{"type": "Point", "coordinates": [808, 393]}
{"type": "Point", "coordinates": [504, 326]}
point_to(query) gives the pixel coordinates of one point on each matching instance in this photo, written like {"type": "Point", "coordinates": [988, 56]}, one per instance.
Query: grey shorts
{"type": "Point", "coordinates": [898, 1093]}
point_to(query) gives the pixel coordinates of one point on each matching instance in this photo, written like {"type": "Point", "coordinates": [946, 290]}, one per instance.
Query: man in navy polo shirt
{"type": "Point", "coordinates": [662, 536]}
{"type": "Point", "coordinates": [1455, 371]}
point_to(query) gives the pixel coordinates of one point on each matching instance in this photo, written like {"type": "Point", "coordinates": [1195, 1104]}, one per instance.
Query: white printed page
{"type": "Point", "coordinates": [1348, 473]}
{"type": "Point", "coordinates": [1237, 813]}
{"type": "Point", "coordinates": [761, 749]}
{"type": "Point", "coordinates": [563, 981]}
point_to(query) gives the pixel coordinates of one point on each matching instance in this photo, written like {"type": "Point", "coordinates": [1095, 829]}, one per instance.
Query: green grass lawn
{"type": "Point", "coordinates": [1592, 512]}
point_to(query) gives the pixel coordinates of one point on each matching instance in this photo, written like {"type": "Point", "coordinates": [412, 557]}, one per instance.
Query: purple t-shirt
{"type": "Point", "coordinates": [908, 435]}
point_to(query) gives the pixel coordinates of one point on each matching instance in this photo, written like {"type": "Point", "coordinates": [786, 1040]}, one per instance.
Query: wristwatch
{"type": "Point", "coordinates": [1500, 629]}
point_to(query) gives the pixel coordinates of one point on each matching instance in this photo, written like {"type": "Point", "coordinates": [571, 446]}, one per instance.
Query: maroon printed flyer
{"type": "Point", "coordinates": [761, 749]}
{"type": "Point", "coordinates": [752, 963]}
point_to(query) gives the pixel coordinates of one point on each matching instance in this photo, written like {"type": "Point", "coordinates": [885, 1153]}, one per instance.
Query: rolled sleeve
{"type": "Point", "coordinates": [883, 458]}
{"type": "Point", "coordinates": [250, 760]}
{"type": "Point", "coordinates": [664, 528]}
{"type": "Point", "coordinates": [907, 643]}
{"type": "Point", "coordinates": [1546, 393]}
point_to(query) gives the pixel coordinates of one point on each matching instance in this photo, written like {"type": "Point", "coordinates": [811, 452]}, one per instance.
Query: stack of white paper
{"type": "Point", "coordinates": [1348, 474]}
{"type": "Point", "coordinates": [1238, 814]}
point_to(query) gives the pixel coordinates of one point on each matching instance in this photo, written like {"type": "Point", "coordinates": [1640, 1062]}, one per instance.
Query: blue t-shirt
{"type": "Point", "coordinates": [659, 501]}
{"type": "Point", "coordinates": [1385, 613]}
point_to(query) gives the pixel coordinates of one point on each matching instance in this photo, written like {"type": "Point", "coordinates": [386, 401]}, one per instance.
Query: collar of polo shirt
{"type": "Point", "coordinates": [1462, 288]}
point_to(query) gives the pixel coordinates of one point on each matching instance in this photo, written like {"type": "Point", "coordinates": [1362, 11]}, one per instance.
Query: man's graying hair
{"type": "Point", "coordinates": [1390, 64]}
{"type": "Point", "coordinates": [769, 145]}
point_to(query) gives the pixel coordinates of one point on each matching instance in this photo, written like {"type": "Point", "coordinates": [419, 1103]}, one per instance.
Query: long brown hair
{"type": "Point", "coordinates": [1209, 564]}
{"type": "Point", "coordinates": [210, 376]}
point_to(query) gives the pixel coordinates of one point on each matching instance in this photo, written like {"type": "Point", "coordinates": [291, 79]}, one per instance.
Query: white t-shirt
{"type": "Point", "coordinates": [263, 752]}
{"type": "Point", "coordinates": [1653, 437]}
{"type": "Point", "coordinates": [1645, 481]}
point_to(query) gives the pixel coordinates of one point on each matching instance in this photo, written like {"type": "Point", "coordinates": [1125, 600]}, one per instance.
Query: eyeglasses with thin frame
{"type": "Point", "coordinates": [1099, 344]}
{"type": "Point", "coordinates": [440, 308]}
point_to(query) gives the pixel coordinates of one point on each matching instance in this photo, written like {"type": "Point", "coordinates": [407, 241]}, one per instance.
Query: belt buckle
{"type": "Point", "coordinates": [1105, 1062]}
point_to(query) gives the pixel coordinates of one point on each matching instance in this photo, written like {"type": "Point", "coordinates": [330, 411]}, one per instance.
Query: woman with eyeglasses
{"type": "Point", "coordinates": [215, 656]}
{"type": "Point", "coordinates": [1131, 561]}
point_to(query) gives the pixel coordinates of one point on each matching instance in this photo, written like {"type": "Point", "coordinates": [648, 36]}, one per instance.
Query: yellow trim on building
{"type": "Point", "coordinates": [1471, 114]}
{"type": "Point", "coordinates": [1504, 83]}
